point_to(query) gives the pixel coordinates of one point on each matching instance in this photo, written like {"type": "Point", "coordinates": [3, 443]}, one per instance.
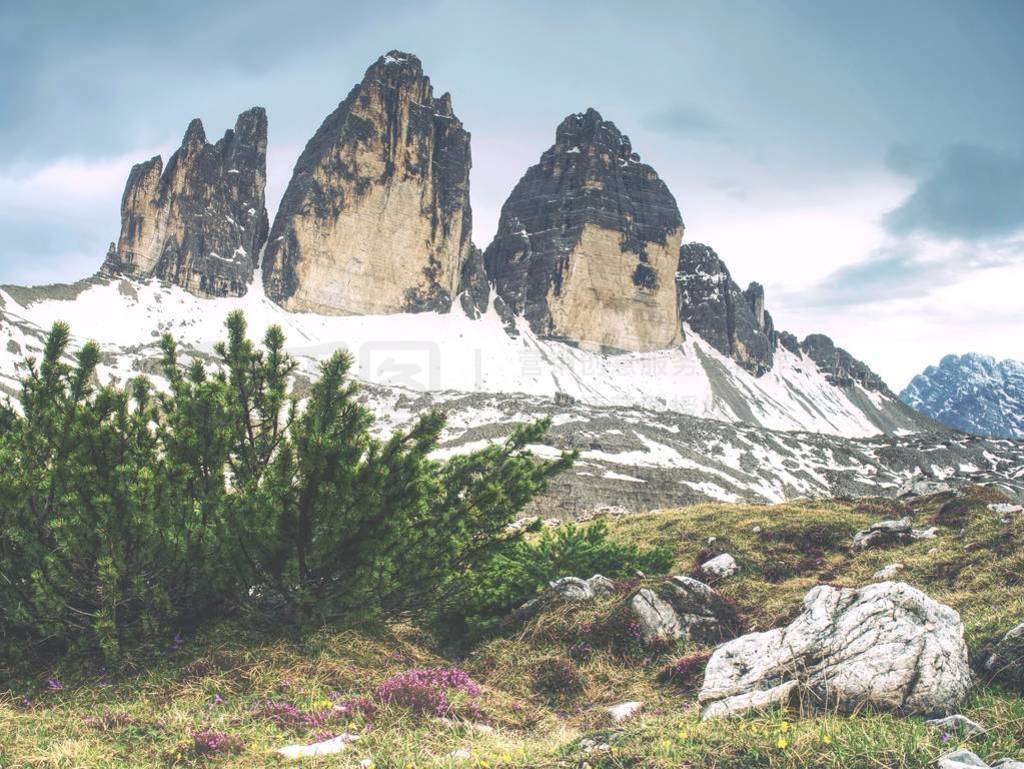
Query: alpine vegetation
{"type": "Point", "coordinates": [127, 512]}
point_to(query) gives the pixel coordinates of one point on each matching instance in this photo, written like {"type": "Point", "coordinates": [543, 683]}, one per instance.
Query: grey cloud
{"type": "Point", "coordinates": [973, 192]}
{"type": "Point", "coordinates": [901, 272]}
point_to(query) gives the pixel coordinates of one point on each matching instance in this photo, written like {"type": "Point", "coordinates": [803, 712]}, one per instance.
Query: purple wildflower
{"type": "Point", "coordinates": [426, 690]}
{"type": "Point", "coordinates": [946, 737]}
{"type": "Point", "coordinates": [54, 684]}
{"type": "Point", "coordinates": [177, 642]}
{"type": "Point", "coordinates": [209, 742]}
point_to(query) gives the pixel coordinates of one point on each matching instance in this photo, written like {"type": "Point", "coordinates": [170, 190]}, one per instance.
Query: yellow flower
{"type": "Point", "coordinates": [784, 727]}
{"type": "Point", "coordinates": [683, 735]}
{"type": "Point", "coordinates": [614, 750]}
{"type": "Point", "coordinates": [826, 739]}
{"type": "Point", "coordinates": [666, 744]}
{"type": "Point", "coordinates": [484, 764]}
{"type": "Point", "coordinates": [782, 744]}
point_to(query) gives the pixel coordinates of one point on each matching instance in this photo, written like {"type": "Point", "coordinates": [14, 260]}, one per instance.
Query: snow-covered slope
{"type": "Point", "coordinates": [653, 429]}
{"type": "Point", "coordinates": [451, 352]}
{"type": "Point", "coordinates": [972, 392]}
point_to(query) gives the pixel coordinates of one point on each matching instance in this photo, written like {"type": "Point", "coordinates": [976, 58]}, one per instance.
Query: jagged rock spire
{"type": "Point", "coordinates": [376, 218]}
{"type": "Point", "coordinates": [201, 221]}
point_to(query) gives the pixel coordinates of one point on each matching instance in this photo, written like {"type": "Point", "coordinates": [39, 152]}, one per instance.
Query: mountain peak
{"type": "Point", "coordinates": [201, 221]}
{"type": "Point", "coordinates": [376, 218]}
{"type": "Point", "coordinates": [972, 392]}
{"type": "Point", "coordinates": [588, 242]}
{"type": "Point", "coordinates": [195, 135]}
{"type": "Point", "coordinates": [589, 129]}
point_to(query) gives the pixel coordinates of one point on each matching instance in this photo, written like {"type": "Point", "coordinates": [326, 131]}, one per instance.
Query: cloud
{"type": "Point", "coordinates": [688, 120]}
{"type": "Point", "coordinates": [906, 270]}
{"type": "Point", "coordinates": [972, 192]}
{"type": "Point", "coordinates": [57, 219]}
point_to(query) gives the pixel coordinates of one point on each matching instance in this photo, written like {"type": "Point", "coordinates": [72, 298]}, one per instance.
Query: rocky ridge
{"type": "Point", "coordinates": [201, 222]}
{"type": "Point", "coordinates": [376, 218]}
{"type": "Point", "coordinates": [974, 393]}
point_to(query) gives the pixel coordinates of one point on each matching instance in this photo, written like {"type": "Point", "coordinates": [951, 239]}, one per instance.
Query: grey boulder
{"type": "Point", "coordinates": [884, 533]}
{"type": "Point", "coordinates": [967, 759]}
{"type": "Point", "coordinates": [885, 645]}
{"type": "Point", "coordinates": [719, 567]}
{"type": "Point", "coordinates": [957, 724]}
{"type": "Point", "coordinates": [1007, 660]}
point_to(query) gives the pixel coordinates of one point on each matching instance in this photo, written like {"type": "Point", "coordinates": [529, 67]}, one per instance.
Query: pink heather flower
{"type": "Point", "coordinates": [209, 742]}
{"type": "Point", "coordinates": [426, 690]}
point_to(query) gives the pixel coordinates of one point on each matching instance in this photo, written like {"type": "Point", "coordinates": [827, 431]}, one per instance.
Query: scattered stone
{"type": "Point", "coordinates": [719, 567]}
{"type": "Point", "coordinates": [656, 616]}
{"type": "Point", "coordinates": [961, 759]}
{"type": "Point", "coordinates": [1007, 659]}
{"type": "Point", "coordinates": [957, 724]}
{"type": "Point", "coordinates": [888, 572]}
{"type": "Point", "coordinates": [576, 589]}
{"type": "Point", "coordinates": [756, 529]}
{"type": "Point", "coordinates": [967, 759]}
{"type": "Point", "coordinates": [922, 487]}
{"type": "Point", "coordinates": [886, 645]}
{"type": "Point", "coordinates": [624, 711]}
{"type": "Point", "coordinates": [700, 610]}
{"type": "Point", "coordinates": [884, 533]}
{"type": "Point", "coordinates": [1005, 508]}
{"type": "Point", "coordinates": [325, 748]}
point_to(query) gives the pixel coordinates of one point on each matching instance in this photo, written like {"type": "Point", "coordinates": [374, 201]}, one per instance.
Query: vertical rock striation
{"type": "Point", "coordinates": [201, 221]}
{"type": "Point", "coordinates": [732, 321]}
{"type": "Point", "coordinates": [376, 218]}
{"type": "Point", "coordinates": [588, 241]}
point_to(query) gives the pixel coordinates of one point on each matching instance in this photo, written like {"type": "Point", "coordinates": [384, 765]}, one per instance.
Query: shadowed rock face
{"type": "Point", "coordinates": [201, 221]}
{"type": "Point", "coordinates": [587, 243]}
{"type": "Point", "coordinates": [376, 218]}
{"type": "Point", "coordinates": [733, 321]}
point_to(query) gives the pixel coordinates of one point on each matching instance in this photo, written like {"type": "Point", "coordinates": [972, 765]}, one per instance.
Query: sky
{"type": "Point", "coordinates": [863, 161]}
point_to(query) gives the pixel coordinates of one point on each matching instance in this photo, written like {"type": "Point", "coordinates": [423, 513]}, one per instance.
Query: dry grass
{"type": "Point", "coordinates": [214, 681]}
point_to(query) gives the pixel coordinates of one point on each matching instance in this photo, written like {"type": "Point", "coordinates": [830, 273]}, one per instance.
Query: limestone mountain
{"type": "Point", "coordinates": [376, 218]}
{"type": "Point", "coordinates": [201, 221]}
{"type": "Point", "coordinates": [588, 241]}
{"type": "Point", "coordinates": [733, 321]}
{"type": "Point", "coordinates": [974, 393]}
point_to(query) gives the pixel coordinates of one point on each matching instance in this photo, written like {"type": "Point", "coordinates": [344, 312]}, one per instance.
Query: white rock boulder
{"type": "Point", "coordinates": [576, 589]}
{"type": "Point", "coordinates": [325, 748]}
{"type": "Point", "coordinates": [624, 711]}
{"type": "Point", "coordinates": [719, 567]}
{"type": "Point", "coordinates": [886, 645]}
{"type": "Point", "coordinates": [655, 615]}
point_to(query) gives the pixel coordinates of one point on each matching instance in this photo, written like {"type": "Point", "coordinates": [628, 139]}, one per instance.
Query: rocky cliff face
{"type": "Point", "coordinates": [201, 221]}
{"type": "Point", "coordinates": [376, 218]}
{"type": "Point", "coordinates": [840, 367]}
{"type": "Point", "coordinates": [733, 321]}
{"type": "Point", "coordinates": [587, 243]}
{"type": "Point", "coordinates": [973, 393]}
